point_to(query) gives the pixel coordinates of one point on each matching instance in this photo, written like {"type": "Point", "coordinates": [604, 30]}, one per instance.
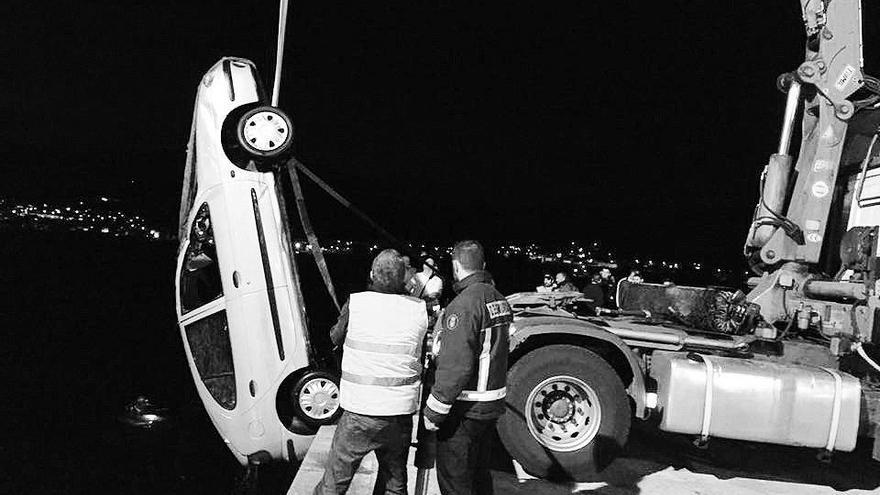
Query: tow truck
{"type": "Point", "coordinates": [790, 360]}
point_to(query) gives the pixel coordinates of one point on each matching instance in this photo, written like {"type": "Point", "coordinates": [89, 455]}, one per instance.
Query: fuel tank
{"type": "Point", "coordinates": [759, 401]}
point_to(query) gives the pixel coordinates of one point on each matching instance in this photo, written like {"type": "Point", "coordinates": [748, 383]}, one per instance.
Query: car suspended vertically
{"type": "Point", "coordinates": [239, 304]}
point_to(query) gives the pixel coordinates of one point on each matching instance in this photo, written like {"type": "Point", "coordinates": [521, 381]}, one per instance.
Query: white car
{"type": "Point", "coordinates": [239, 303]}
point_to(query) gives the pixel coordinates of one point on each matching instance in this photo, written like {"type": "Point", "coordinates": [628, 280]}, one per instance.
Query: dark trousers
{"type": "Point", "coordinates": [464, 450]}
{"type": "Point", "coordinates": [356, 436]}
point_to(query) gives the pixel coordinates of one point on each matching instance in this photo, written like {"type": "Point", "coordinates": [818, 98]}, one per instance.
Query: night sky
{"type": "Point", "coordinates": [640, 123]}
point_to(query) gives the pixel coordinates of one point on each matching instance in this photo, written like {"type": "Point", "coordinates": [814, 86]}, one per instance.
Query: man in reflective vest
{"type": "Point", "coordinates": [470, 376]}
{"type": "Point", "coordinates": [382, 332]}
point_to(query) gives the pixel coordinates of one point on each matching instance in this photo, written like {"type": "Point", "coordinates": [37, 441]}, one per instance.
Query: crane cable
{"type": "Point", "coordinates": [317, 250]}
{"type": "Point", "coordinates": [294, 164]}
{"type": "Point", "coordinates": [279, 50]}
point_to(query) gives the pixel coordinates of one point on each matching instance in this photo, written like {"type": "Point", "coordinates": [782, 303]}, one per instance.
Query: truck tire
{"type": "Point", "coordinates": [568, 415]}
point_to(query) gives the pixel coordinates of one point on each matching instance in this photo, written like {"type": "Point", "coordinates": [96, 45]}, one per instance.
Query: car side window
{"type": "Point", "coordinates": [200, 275]}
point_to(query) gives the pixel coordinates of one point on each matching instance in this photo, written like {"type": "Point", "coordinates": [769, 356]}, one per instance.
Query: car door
{"type": "Point", "coordinates": [202, 310]}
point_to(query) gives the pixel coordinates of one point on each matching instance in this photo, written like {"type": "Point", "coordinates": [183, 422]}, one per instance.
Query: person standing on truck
{"type": "Point", "coordinates": [635, 277]}
{"type": "Point", "coordinates": [609, 286]}
{"type": "Point", "coordinates": [381, 331]}
{"type": "Point", "coordinates": [470, 379]}
{"type": "Point", "coordinates": [594, 293]}
{"type": "Point", "coordinates": [547, 285]}
{"type": "Point", "coordinates": [564, 284]}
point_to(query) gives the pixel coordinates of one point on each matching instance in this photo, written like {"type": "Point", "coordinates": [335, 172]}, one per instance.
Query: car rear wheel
{"type": "Point", "coordinates": [265, 132]}
{"type": "Point", "coordinates": [256, 137]}
{"type": "Point", "coordinates": [568, 414]}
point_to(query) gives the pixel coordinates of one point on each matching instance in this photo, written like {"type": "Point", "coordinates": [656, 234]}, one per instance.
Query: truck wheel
{"type": "Point", "coordinates": [567, 416]}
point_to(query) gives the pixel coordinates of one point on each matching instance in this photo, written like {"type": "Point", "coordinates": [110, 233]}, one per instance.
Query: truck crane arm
{"type": "Point", "coordinates": [806, 223]}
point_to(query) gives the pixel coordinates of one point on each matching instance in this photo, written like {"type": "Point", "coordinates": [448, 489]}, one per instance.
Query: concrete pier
{"type": "Point", "coordinates": [656, 464]}
{"type": "Point", "coordinates": [312, 469]}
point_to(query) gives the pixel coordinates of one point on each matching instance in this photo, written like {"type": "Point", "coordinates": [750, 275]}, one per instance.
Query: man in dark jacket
{"type": "Point", "coordinates": [594, 293]}
{"type": "Point", "coordinates": [470, 380]}
{"type": "Point", "coordinates": [609, 285]}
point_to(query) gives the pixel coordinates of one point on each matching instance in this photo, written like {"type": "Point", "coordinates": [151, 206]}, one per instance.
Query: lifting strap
{"type": "Point", "coordinates": [707, 401]}
{"type": "Point", "coordinates": [294, 165]}
{"type": "Point", "coordinates": [363, 216]}
{"type": "Point", "coordinates": [317, 251]}
{"type": "Point", "coordinates": [835, 409]}
{"type": "Point", "coordinates": [344, 202]}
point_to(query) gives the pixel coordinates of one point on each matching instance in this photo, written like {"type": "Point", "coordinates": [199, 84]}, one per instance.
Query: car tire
{"type": "Point", "coordinates": [568, 415]}
{"type": "Point", "coordinates": [264, 132]}
{"type": "Point", "coordinates": [315, 398]}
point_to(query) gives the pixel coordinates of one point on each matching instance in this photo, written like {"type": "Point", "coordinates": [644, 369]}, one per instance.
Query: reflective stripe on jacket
{"type": "Point", "coordinates": [471, 362]}
{"type": "Point", "coordinates": [381, 368]}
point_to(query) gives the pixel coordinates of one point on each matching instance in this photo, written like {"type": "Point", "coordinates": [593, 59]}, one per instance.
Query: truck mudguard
{"type": "Point", "coordinates": [524, 329]}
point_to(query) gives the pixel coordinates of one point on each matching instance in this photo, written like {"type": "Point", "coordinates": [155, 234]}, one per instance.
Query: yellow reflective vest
{"type": "Point", "coordinates": [381, 360]}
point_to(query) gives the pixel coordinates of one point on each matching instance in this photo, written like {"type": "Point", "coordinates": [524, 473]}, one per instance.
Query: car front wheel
{"type": "Point", "coordinates": [316, 398]}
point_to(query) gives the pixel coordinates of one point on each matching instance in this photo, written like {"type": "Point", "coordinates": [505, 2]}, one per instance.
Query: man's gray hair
{"type": "Point", "coordinates": [388, 271]}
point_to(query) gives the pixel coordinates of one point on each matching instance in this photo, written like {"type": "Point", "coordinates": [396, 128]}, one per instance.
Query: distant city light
{"type": "Point", "coordinates": [82, 218]}
{"type": "Point", "coordinates": [102, 216]}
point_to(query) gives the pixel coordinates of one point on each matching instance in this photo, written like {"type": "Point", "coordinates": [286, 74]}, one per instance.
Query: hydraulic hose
{"type": "Point", "coordinates": [858, 347]}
